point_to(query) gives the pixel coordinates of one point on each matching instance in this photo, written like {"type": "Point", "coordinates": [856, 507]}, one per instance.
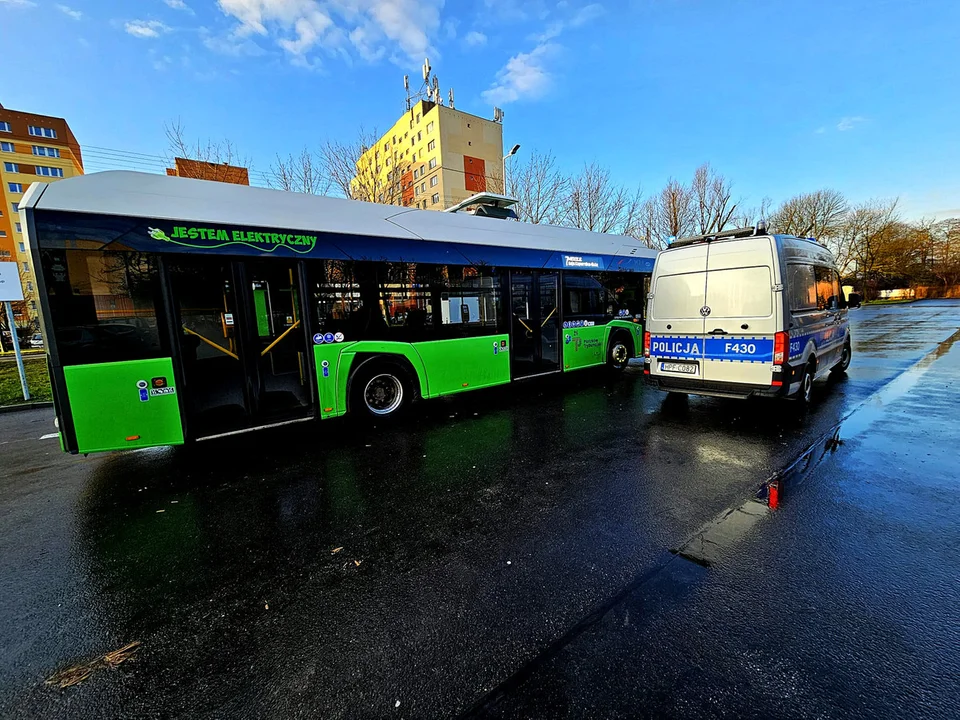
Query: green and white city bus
{"type": "Point", "coordinates": [178, 310]}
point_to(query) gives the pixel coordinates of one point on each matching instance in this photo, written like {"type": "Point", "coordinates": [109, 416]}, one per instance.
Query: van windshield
{"type": "Point", "coordinates": [740, 292]}
{"type": "Point", "coordinates": [679, 296]}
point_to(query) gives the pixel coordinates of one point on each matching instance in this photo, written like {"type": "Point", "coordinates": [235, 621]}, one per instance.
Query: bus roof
{"type": "Point", "coordinates": [161, 197]}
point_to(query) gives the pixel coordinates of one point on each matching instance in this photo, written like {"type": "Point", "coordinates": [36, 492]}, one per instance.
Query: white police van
{"type": "Point", "coordinates": [743, 313]}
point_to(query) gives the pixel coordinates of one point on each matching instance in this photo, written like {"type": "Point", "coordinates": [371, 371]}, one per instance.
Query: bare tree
{"type": "Point", "coordinates": [865, 237]}
{"type": "Point", "coordinates": [713, 203]}
{"type": "Point", "coordinates": [668, 214]}
{"type": "Point", "coordinates": [593, 202]}
{"type": "Point", "coordinates": [540, 189]}
{"type": "Point", "coordinates": [816, 214]}
{"type": "Point", "coordinates": [353, 174]}
{"type": "Point", "coordinates": [218, 157]}
{"type": "Point", "coordinates": [299, 173]}
{"type": "Point", "coordinates": [944, 253]}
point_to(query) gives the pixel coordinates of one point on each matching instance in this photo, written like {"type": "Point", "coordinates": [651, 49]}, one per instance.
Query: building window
{"type": "Point", "coordinates": [49, 171]}
{"type": "Point", "coordinates": [44, 151]}
{"type": "Point", "coordinates": [23, 247]}
{"type": "Point", "coordinates": [4, 253]}
{"type": "Point", "coordinates": [26, 266]}
{"type": "Point", "coordinates": [17, 227]}
{"type": "Point", "coordinates": [15, 187]}
{"type": "Point", "coordinates": [4, 126]}
{"type": "Point", "coordinates": [38, 131]}
{"type": "Point", "coordinates": [419, 136]}
{"type": "Point", "coordinates": [11, 167]}
{"type": "Point", "coordinates": [388, 162]}
{"type": "Point", "coordinates": [418, 117]}
{"type": "Point", "coordinates": [430, 127]}
{"type": "Point", "coordinates": [29, 286]}
{"type": "Point", "coordinates": [7, 147]}
{"type": "Point", "coordinates": [434, 180]}
{"type": "Point", "coordinates": [33, 305]}
{"type": "Point", "coordinates": [468, 124]}
{"type": "Point", "coordinates": [433, 163]}
{"type": "Point", "coordinates": [413, 140]}
{"type": "Point", "coordinates": [432, 145]}
{"type": "Point", "coordinates": [3, 233]}
{"type": "Point", "coordinates": [435, 199]}
{"type": "Point", "coordinates": [15, 206]}
{"type": "Point", "coordinates": [416, 191]}
{"type": "Point", "coordinates": [423, 187]}
{"type": "Point", "coordinates": [416, 173]}
{"type": "Point", "coordinates": [469, 142]}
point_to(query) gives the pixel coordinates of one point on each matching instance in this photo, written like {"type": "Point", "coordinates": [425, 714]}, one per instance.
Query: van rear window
{"type": "Point", "coordinates": [740, 292]}
{"type": "Point", "coordinates": [678, 296]}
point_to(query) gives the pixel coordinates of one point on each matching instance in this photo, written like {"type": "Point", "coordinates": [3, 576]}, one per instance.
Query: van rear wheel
{"type": "Point", "coordinates": [845, 357]}
{"type": "Point", "coordinates": [805, 393]}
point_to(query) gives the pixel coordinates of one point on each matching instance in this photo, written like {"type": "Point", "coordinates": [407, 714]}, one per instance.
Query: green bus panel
{"type": "Point", "coordinates": [587, 346]}
{"type": "Point", "coordinates": [465, 364]}
{"type": "Point", "coordinates": [584, 347]}
{"type": "Point", "coordinates": [109, 409]}
{"type": "Point", "coordinates": [260, 309]}
{"type": "Point", "coordinates": [443, 367]}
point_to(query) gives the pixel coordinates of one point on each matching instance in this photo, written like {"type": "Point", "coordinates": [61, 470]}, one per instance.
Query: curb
{"type": "Point", "coordinates": [25, 406]}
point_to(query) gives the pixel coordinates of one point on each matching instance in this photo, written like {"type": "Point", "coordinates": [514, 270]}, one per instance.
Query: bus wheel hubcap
{"type": "Point", "coordinates": [383, 394]}
{"type": "Point", "coordinates": [619, 353]}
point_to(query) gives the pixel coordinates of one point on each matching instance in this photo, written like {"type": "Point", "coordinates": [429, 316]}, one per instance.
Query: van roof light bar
{"type": "Point", "coordinates": [723, 234]}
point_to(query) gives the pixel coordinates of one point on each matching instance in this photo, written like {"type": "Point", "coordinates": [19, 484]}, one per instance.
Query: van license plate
{"type": "Point", "coordinates": [679, 367]}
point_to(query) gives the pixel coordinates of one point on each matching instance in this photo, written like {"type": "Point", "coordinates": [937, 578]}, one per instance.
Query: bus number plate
{"type": "Point", "coordinates": [679, 367]}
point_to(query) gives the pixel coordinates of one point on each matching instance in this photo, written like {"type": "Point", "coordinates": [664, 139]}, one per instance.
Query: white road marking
{"type": "Point", "coordinates": [50, 436]}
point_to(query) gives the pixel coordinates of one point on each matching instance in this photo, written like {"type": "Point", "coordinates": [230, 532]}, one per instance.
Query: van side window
{"type": "Point", "coordinates": [828, 289]}
{"type": "Point", "coordinates": [802, 287]}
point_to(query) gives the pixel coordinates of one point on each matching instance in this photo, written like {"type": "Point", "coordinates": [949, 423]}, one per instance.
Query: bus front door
{"type": "Point", "coordinates": [241, 343]}
{"type": "Point", "coordinates": [535, 325]}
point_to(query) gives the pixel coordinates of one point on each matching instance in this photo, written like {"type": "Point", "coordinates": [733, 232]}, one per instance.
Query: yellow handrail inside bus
{"type": "Point", "coordinates": [211, 343]}
{"type": "Point", "coordinates": [286, 332]}
{"type": "Point", "coordinates": [548, 317]}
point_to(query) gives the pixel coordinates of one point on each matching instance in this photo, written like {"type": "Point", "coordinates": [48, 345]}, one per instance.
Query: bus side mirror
{"type": "Point", "coordinates": [854, 300]}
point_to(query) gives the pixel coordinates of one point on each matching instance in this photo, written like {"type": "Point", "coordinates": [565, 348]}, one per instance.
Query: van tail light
{"type": "Point", "coordinates": [646, 344]}
{"type": "Point", "coordinates": [781, 341]}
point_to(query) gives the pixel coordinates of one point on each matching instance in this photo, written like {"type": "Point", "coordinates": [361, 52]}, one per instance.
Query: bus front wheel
{"type": "Point", "coordinates": [381, 390]}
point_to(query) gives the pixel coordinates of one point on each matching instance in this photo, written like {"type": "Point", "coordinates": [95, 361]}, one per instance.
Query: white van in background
{"type": "Point", "coordinates": [744, 313]}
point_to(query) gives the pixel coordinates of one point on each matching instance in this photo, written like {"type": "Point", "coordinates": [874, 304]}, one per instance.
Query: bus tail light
{"type": "Point", "coordinates": [781, 341]}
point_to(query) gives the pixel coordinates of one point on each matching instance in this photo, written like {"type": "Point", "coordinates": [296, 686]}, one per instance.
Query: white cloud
{"type": "Point", "coordinates": [69, 11]}
{"type": "Point", "coordinates": [371, 26]}
{"type": "Point", "coordinates": [475, 39]}
{"type": "Point", "coordinates": [146, 28]}
{"type": "Point", "coordinates": [230, 44]}
{"type": "Point", "coordinates": [586, 14]}
{"type": "Point", "coordinates": [525, 77]}
{"type": "Point", "coordinates": [178, 5]}
{"type": "Point", "coordinates": [849, 123]}
{"type": "Point", "coordinates": [19, 3]}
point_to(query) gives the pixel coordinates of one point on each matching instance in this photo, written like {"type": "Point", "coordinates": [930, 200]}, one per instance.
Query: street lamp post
{"type": "Point", "coordinates": [513, 151]}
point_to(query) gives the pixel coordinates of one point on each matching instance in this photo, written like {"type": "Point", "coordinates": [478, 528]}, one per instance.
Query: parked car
{"type": "Point", "coordinates": [36, 341]}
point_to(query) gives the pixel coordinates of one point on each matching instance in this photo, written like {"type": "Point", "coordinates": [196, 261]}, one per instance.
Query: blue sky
{"type": "Point", "coordinates": [782, 97]}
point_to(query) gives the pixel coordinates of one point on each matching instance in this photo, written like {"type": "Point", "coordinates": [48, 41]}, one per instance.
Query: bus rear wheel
{"type": "Point", "coordinates": [619, 352]}
{"type": "Point", "coordinates": [381, 390]}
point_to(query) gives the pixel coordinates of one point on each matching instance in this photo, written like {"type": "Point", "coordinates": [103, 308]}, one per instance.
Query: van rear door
{"type": "Point", "coordinates": [743, 313]}
{"type": "Point", "coordinates": [675, 322]}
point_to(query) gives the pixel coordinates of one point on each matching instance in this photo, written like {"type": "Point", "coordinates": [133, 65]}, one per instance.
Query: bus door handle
{"type": "Point", "coordinates": [718, 331]}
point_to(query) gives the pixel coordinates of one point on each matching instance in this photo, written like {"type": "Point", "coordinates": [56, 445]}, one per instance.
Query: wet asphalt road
{"type": "Point", "coordinates": [507, 554]}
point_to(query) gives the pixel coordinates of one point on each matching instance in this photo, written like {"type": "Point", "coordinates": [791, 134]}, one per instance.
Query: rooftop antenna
{"type": "Point", "coordinates": [497, 115]}
{"type": "Point", "coordinates": [451, 98]}
{"type": "Point", "coordinates": [436, 91]}
{"type": "Point", "coordinates": [406, 86]}
{"type": "Point", "coordinates": [426, 71]}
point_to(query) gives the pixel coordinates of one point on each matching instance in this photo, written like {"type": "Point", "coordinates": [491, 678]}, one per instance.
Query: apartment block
{"type": "Point", "coordinates": [433, 157]}
{"type": "Point", "coordinates": [33, 148]}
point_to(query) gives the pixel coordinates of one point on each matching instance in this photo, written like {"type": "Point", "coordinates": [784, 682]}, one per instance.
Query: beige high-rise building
{"type": "Point", "coordinates": [33, 148]}
{"type": "Point", "coordinates": [433, 157]}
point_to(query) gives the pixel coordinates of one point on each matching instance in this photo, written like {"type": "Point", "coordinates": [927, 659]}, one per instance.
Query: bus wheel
{"type": "Point", "coordinates": [381, 390]}
{"type": "Point", "coordinates": [618, 354]}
